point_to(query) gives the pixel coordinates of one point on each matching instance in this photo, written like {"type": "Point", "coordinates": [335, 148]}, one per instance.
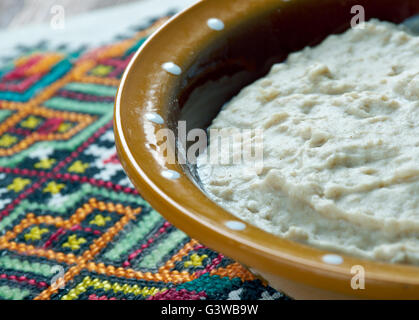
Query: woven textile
{"type": "Point", "coordinates": [66, 207]}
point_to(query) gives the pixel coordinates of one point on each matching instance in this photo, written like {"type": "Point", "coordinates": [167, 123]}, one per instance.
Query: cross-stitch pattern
{"type": "Point", "coordinates": [66, 207]}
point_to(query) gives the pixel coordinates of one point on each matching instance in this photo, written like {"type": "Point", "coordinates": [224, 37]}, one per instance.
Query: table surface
{"type": "Point", "coordinates": [15, 13]}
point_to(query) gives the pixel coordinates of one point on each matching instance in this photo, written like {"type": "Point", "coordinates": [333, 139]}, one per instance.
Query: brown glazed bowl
{"type": "Point", "coordinates": [214, 61]}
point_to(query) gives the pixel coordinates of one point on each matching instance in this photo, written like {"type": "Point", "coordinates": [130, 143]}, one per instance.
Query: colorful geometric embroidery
{"type": "Point", "coordinates": [67, 210]}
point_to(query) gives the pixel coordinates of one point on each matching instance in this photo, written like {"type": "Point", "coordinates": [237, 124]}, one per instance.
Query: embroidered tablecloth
{"type": "Point", "coordinates": [67, 209]}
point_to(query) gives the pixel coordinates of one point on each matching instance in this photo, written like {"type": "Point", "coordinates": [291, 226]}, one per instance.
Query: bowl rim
{"type": "Point", "coordinates": [252, 246]}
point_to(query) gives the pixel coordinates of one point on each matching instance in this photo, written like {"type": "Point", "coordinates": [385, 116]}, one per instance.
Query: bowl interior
{"type": "Point", "coordinates": [248, 51]}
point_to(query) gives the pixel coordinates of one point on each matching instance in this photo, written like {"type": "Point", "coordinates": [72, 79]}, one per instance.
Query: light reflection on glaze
{"type": "Point", "coordinates": [332, 259]}
{"type": "Point", "coordinates": [215, 24]}
{"type": "Point", "coordinates": [172, 68]}
{"type": "Point", "coordinates": [154, 117]}
{"type": "Point", "coordinates": [170, 174]}
{"type": "Point", "coordinates": [235, 225]}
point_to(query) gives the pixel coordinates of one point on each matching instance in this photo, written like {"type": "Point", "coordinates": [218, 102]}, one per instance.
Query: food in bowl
{"type": "Point", "coordinates": [340, 147]}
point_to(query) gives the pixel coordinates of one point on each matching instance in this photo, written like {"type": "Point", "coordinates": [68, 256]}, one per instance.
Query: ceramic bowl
{"type": "Point", "coordinates": [187, 71]}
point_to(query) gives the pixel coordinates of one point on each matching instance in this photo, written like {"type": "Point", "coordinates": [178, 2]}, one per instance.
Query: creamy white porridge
{"type": "Point", "coordinates": [341, 147]}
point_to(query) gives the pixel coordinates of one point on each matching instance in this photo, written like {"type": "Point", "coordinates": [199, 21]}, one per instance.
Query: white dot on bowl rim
{"type": "Point", "coordinates": [215, 24]}
{"type": "Point", "coordinates": [154, 117]}
{"type": "Point", "coordinates": [235, 225]}
{"type": "Point", "coordinates": [332, 259]}
{"type": "Point", "coordinates": [172, 68]}
{"type": "Point", "coordinates": [171, 174]}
